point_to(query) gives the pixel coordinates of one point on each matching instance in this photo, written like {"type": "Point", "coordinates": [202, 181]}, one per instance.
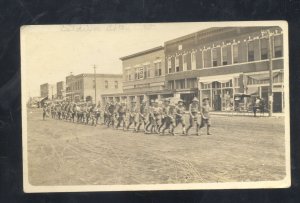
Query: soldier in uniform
{"type": "Point", "coordinates": [156, 115]}
{"type": "Point", "coordinates": [180, 110]}
{"type": "Point", "coordinates": [194, 110]}
{"type": "Point", "coordinates": [142, 115]}
{"type": "Point", "coordinates": [205, 120]}
{"type": "Point", "coordinates": [97, 113]}
{"type": "Point", "coordinates": [164, 109]}
{"type": "Point", "coordinates": [45, 109]}
{"type": "Point", "coordinates": [121, 115]}
{"type": "Point", "coordinates": [106, 113]}
{"type": "Point", "coordinates": [132, 115]}
{"type": "Point", "coordinates": [111, 111]}
{"type": "Point", "coordinates": [149, 116]}
{"type": "Point", "coordinates": [170, 119]}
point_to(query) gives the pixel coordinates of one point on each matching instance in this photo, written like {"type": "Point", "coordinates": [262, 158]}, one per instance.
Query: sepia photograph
{"type": "Point", "coordinates": [155, 106]}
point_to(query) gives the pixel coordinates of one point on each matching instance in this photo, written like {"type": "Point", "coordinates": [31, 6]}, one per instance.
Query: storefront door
{"type": "Point", "coordinates": [217, 100]}
{"type": "Point", "coordinates": [277, 102]}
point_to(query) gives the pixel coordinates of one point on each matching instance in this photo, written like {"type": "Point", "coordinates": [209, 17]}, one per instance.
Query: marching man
{"type": "Point", "coordinates": [194, 110]}
{"type": "Point", "coordinates": [179, 115]}
{"type": "Point", "coordinates": [132, 115]}
{"type": "Point", "coordinates": [205, 115]}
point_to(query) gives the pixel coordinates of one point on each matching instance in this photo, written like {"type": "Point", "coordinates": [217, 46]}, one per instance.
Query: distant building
{"type": "Point", "coordinates": [82, 87]}
{"type": "Point", "coordinates": [48, 90]}
{"type": "Point", "coordinates": [143, 76]}
{"type": "Point", "coordinates": [61, 90]}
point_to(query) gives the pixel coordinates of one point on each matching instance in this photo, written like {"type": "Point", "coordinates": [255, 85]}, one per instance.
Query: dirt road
{"type": "Point", "coordinates": [240, 149]}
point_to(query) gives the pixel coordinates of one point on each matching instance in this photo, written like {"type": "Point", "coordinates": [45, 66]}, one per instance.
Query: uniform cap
{"type": "Point", "coordinates": [195, 99]}
{"type": "Point", "coordinates": [205, 98]}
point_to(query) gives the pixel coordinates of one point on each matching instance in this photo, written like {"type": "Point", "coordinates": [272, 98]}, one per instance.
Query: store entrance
{"type": "Point", "coordinates": [217, 102]}
{"type": "Point", "coordinates": [277, 104]}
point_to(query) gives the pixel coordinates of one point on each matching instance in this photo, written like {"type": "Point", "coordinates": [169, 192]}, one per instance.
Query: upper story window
{"type": "Point", "coordinates": [157, 67]}
{"type": "Point", "coordinates": [193, 60]}
{"type": "Point", "coordinates": [116, 85]}
{"type": "Point", "coordinates": [278, 46]}
{"type": "Point", "coordinates": [224, 56]}
{"type": "Point", "coordinates": [177, 64]}
{"type": "Point", "coordinates": [215, 57]}
{"type": "Point", "coordinates": [106, 84]}
{"type": "Point", "coordinates": [146, 71]}
{"type": "Point", "coordinates": [184, 62]}
{"type": "Point", "coordinates": [235, 53]}
{"type": "Point", "coordinates": [251, 51]}
{"type": "Point", "coordinates": [128, 75]}
{"type": "Point", "coordinates": [207, 58]}
{"type": "Point", "coordinates": [264, 48]}
{"type": "Point", "coordinates": [169, 65]}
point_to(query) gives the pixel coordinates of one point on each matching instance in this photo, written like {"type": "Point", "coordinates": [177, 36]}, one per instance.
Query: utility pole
{"type": "Point", "coordinates": [270, 73]}
{"type": "Point", "coordinates": [95, 84]}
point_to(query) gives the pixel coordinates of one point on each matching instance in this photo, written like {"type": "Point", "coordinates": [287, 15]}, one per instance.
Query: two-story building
{"type": "Point", "coordinates": [82, 87]}
{"type": "Point", "coordinates": [143, 76]}
{"type": "Point", "coordinates": [220, 62]}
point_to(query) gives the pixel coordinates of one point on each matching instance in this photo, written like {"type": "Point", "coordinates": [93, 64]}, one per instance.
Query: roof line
{"type": "Point", "coordinates": [142, 52]}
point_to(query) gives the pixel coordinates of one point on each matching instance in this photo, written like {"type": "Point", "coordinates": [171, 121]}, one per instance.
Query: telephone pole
{"type": "Point", "coordinates": [269, 35]}
{"type": "Point", "coordinates": [270, 74]}
{"type": "Point", "coordinates": [95, 85]}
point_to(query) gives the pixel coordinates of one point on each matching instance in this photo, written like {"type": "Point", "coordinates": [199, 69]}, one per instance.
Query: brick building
{"type": "Point", "coordinates": [82, 87]}
{"type": "Point", "coordinates": [60, 90]}
{"type": "Point", "coordinates": [143, 76]}
{"type": "Point", "coordinates": [220, 62]}
{"type": "Point", "coordinates": [48, 90]}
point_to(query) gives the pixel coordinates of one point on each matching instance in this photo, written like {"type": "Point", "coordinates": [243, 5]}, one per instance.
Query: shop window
{"type": "Point", "coordinates": [171, 85]}
{"type": "Point", "coordinates": [215, 57]}
{"type": "Point", "coordinates": [264, 48]}
{"type": "Point", "coordinates": [180, 84]}
{"type": "Point", "coordinates": [236, 82]}
{"type": "Point", "coordinates": [227, 84]}
{"type": "Point", "coordinates": [235, 50]}
{"type": "Point", "coordinates": [206, 86]}
{"type": "Point", "coordinates": [278, 47]}
{"type": "Point", "coordinates": [191, 83]}
{"type": "Point", "coordinates": [106, 84]}
{"type": "Point", "coordinates": [251, 51]}
{"type": "Point", "coordinates": [224, 56]}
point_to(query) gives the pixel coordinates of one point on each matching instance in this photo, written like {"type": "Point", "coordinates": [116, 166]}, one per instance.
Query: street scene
{"type": "Point", "coordinates": [240, 149]}
{"type": "Point", "coordinates": [137, 104]}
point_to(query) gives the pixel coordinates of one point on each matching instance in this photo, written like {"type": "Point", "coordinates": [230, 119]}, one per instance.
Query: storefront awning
{"type": "Point", "coordinates": [219, 78]}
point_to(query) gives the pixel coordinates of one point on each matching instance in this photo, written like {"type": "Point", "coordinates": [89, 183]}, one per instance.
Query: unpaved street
{"type": "Point", "coordinates": [240, 149]}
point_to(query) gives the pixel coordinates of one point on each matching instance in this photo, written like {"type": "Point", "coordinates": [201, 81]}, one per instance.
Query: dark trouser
{"type": "Point", "coordinates": [163, 122]}
{"type": "Point", "coordinates": [121, 119]}
{"type": "Point", "coordinates": [131, 121]}
{"type": "Point", "coordinates": [169, 124]}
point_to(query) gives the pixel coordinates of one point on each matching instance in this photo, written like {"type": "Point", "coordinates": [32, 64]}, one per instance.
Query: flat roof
{"type": "Point", "coordinates": [142, 52]}
{"type": "Point", "coordinates": [98, 75]}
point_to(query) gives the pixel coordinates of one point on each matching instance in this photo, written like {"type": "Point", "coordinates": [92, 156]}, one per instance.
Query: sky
{"type": "Point", "coordinates": [50, 52]}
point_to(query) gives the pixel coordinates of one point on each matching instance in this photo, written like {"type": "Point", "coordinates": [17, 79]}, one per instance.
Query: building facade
{"type": "Point", "coordinates": [60, 90]}
{"type": "Point", "coordinates": [48, 90]}
{"type": "Point", "coordinates": [82, 87]}
{"type": "Point", "coordinates": [143, 76]}
{"type": "Point", "coordinates": [219, 62]}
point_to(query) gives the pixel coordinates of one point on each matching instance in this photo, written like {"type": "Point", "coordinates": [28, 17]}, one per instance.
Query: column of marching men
{"type": "Point", "coordinates": [154, 116]}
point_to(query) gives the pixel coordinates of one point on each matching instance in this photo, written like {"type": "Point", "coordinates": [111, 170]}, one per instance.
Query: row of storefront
{"type": "Point", "coordinates": [246, 70]}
